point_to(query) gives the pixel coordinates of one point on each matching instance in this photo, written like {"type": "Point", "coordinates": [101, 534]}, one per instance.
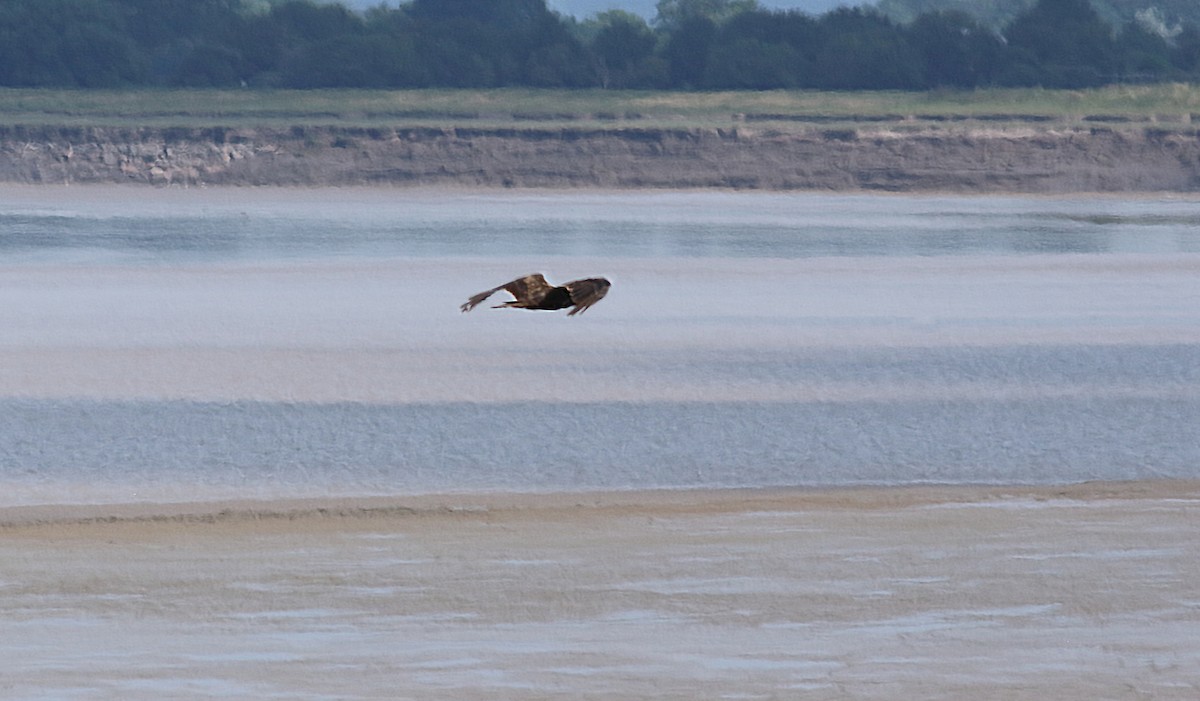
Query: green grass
{"type": "Point", "coordinates": [784, 110]}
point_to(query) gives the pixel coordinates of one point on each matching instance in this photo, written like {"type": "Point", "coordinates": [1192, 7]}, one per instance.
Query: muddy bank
{"type": "Point", "coordinates": [1072, 594]}
{"type": "Point", "coordinates": [1013, 159]}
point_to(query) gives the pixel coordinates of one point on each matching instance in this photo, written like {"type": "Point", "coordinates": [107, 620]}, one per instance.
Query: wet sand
{"type": "Point", "coordinates": [1078, 592]}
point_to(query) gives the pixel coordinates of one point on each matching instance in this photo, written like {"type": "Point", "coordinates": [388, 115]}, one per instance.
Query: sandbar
{"type": "Point", "coordinates": [935, 592]}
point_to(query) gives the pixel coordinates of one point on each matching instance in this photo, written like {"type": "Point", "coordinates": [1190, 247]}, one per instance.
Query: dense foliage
{"type": "Point", "coordinates": [997, 14]}
{"type": "Point", "coordinates": [694, 44]}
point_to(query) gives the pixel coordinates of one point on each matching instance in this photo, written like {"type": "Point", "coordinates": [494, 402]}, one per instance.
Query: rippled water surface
{"type": "Point", "coordinates": [232, 225]}
{"type": "Point", "coordinates": [181, 344]}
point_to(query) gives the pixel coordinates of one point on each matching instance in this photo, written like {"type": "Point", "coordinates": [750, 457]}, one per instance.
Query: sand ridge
{"type": "Point", "coordinates": [327, 513]}
{"type": "Point", "coordinates": [1073, 592]}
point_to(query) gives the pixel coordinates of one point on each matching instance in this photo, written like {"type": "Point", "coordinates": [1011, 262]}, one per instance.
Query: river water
{"type": "Point", "coordinates": [174, 345]}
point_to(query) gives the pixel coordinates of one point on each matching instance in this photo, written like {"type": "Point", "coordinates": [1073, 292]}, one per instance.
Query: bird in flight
{"type": "Point", "coordinates": [533, 292]}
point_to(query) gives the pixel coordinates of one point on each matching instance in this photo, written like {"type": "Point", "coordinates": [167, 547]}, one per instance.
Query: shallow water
{"type": "Point", "coordinates": [184, 344]}
{"type": "Point", "coordinates": [252, 225]}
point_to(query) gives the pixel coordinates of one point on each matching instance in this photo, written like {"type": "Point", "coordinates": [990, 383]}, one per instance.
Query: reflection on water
{"type": "Point", "coordinates": [31, 234]}
{"type": "Point", "coordinates": [234, 225]}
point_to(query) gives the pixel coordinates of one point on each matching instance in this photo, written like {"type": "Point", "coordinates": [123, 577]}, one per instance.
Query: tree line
{"type": "Point", "coordinates": [997, 14]}
{"type": "Point", "coordinates": [692, 45]}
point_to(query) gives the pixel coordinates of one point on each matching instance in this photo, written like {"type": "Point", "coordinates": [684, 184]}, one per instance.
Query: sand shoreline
{"type": "Point", "coordinates": [1071, 592]}
{"type": "Point", "coordinates": [331, 510]}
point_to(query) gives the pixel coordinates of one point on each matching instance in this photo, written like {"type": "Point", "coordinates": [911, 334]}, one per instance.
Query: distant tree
{"type": "Point", "coordinates": [461, 52]}
{"type": "Point", "coordinates": [369, 60]}
{"type": "Point", "coordinates": [622, 49]}
{"type": "Point", "coordinates": [1185, 53]}
{"type": "Point", "coordinates": [993, 14]}
{"type": "Point", "coordinates": [315, 46]}
{"type": "Point", "coordinates": [205, 65]}
{"type": "Point", "coordinates": [760, 49]}
{"type": "Point", "coordinates": [306, 21]}
{"type": "Point", "coordinates": [79, 43]}
{"type": "Point", "coordinates": [751, 64]}
{"type": "Point", "coordinates": [686, 52]}
{"type": "Point", "coordinates": [483, 43]}
{"type": "Point", "coordinates": [560, 63]}
{"type": "Point", "coordinates": [672, 14]}
{"type": "Point", "coordinates": [503, 15]}
{"type": "Point", "coordinates": [957, 50]}
{"type": "Point", "coordinates": [191, 42]}
{"type": "Point", "coordinates": [153, 23]}
{"type": "Point", "coordinates": [1142, 53]}
{"type": "Point", "coordinates": [1119, 12]}
{"type": "Point", "coordinates": [997, 14]}
{"type": "Point", "coordinates": [773, 27]}
{"type": "Point", "coordinates": [693, 44]}
{"type": "Point", "coordinates": [863, 50]}
{"type": "Point", "coordinates": [1067, 43]}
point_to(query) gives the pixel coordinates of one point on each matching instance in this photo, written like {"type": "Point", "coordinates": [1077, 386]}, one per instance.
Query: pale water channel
{"type": "Point", "coordinates": [173, 345]}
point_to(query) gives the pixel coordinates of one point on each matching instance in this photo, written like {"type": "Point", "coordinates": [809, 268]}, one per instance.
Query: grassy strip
{"type": "Point", "coordinates": [1112, 106]}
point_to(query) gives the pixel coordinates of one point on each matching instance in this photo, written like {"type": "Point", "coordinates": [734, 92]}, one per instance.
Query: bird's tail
{"type": "Point", "coordinates": [478, 299]}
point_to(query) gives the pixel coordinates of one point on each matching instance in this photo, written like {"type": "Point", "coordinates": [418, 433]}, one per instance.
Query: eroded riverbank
{"type": "Point", "coordinates": [969, 160]}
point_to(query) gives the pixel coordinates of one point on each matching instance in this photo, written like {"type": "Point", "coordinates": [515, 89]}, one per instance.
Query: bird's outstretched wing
{"type": "Point", "coordinates": [528, 291]}
{"type": "Point", "coordinates": [585, 293]}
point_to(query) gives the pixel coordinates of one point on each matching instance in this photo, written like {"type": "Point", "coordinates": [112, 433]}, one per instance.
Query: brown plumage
{"type": "Point", "coordinates": [533, 292]}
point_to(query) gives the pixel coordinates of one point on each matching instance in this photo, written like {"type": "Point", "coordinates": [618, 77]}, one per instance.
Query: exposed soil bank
{"type": "Point", "coordinates": [979, 160]}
